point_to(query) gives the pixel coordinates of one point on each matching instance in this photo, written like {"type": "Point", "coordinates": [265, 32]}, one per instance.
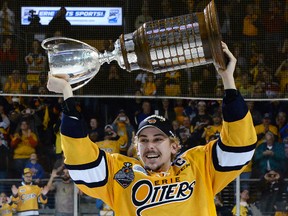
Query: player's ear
{"type": "Point", "coordinates": [174, 147]}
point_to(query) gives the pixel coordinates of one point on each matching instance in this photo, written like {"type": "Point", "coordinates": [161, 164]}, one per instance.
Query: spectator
{"type": "Point", "coordinates": [237, 17]}
{"type": "Point", "coordinates": [271, 188]}
{"type": "Point", "coordinates": [269, 155]}
{"type": "Point", "coordinates": [226, 22]}
{"type": "Point", "coordinates": [175, 127]}
{"type": "Point", "coordinates": [95, 132]}
{"type": "Point", "coordinates": [23, 142]}
{"type": "Point", "coordinates": [194, 89]}
{"type": "Point", "coordinates": [145, 112]}
{"type": "Point", "coordinates": [264, 127]}
{"type": "Point", "coordinates": [285, 142]}
{"type": "Point", "coordinates": [27, 196]}
{"type": "Point", "coordinates": [56, 129]}
{"type": "Point", "coordinates": [202, 118]}
{"type": "Point", "coordinates": [132, 150]}
{"type": "Point", "coordinates": [149, 87]}
{"type": "Point", "coordinates": [272, 88]}
{"type": "Point", "coordinates": [60, 23]}
{"type": "Point", "coordinates": [213, 129]}
{"type": "Point", "coordinates": [244, 206]}
{"type": "Point", "coordinates": [191, 110]}
{"type": "Point", "coordinates": [112, 143]}
{"type": "Point", "coordinates": [8, 56]}
{"type": "Point", "coordinates": [245, 87]}
{"type": "Point", "coordinates": [219, 90]}
{"type": "Point", "coordinates": [284, 49]}
{"type": "Point", "coordinates": [172, 83]}
{"type": "Point", "coordinates": [7, 20]}
{"type": "Point", "coordinates": [36, 64]}
{"type": "Point", "coordinates": [241, 60]}
{"type": "Point", "coordinates": [165, 10]}
{"type": "Point", "coordinates": [140, 79]}
{"type": "Point", "coordinates": [64, 193]}
{"type": "Point", "coordinates": [237, 77]}
{"type": "Point", "coordinates": [166, 110]}
{"type": "Point", "coordinates": [259, 90]}
{"type": "Point", "coordinates": [281, 75]}
{"type": "Point", "coordinates": [273, 22]}
{"type": "Point", "coordinates": [4, 157]}
{"type": "Point", "coordinates": [208, 81]}
{"type": "Point", "coordinates": [250, 23]}
{"type": "Point", "coordinates": [4, 122]}
{"type": "Point", "coordinates": [160, 85]}
{"type": "Point", "coordinates": [220, 208]}
{"type": "Point", "coordinates": [36, 168]}
{"type": "Point", "coordinates": [187, 140]}
{"type": "Point", "coordinates": [144, 16]}
{"type": "Point", "coordinates": [134, 106]}
{"type": "Point", "coordinates": [115, 83]}
{"type": "Point", "coordinates": [256, 115]}
{"type": "Point", "coordinates": [259, 68]}
{"type": "Point", "coordinates": [15, 83]}
{"type": "Point", "coordinates": [186, 126]}
{"type": "Point", "coordinates": [7, 207]}
{"type": "Point", "coordinates": [179, 110]}
{"type": "Point", "coordinates": [281, 122]}
{"type": "Point", "coordinates": [103, 208]}
{"type": "Point", "coordinates": [15, 113]}
{"type": "Point", "coordinates": [190, 6]}
{"type": "Point", "coordinates": [31, 116]}
{"type": "Point", "coordinates": [121, 125]}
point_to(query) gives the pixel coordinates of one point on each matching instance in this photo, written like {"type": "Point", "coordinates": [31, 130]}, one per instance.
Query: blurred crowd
{"type": "Point", "coordinates": [256, 32]}
{"type": "Point", "coordinates": [30, 136]}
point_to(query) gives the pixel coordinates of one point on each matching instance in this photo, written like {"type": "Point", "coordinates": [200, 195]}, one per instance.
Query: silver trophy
{"type": "Point", "coordinates": [158, 46]}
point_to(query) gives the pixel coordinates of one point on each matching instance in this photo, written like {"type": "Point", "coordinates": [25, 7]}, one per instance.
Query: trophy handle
{"type": "Point", "coordinates": [47, 40]}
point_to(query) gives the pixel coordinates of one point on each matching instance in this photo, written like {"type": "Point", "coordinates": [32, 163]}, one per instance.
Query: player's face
{"type": "Point", "coordinates": [155, 149]}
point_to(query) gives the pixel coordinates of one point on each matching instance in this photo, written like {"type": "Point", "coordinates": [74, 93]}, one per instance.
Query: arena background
{"type": "Point", "coordinates": [261, 73]}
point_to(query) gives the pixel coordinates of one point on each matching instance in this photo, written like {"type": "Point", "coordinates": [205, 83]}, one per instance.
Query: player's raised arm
{"type": "Point", "coordinates": [236, 145]}
{"type": "Point", "coordinates": [86, 163]}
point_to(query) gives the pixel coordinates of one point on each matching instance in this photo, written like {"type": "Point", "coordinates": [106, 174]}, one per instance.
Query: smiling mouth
{"type": "Point", "coordinates": [152, 156]}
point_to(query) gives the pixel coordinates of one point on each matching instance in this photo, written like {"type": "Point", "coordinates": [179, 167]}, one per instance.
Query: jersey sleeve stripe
{"type": "Point", "coordinates": [88, 165]}
{"type": "Point", "coordinates": [230, 160]}
{"type": "Point", "coordinates": [235, 149]}
{"type": "Point", "coordinates": [94, 174]}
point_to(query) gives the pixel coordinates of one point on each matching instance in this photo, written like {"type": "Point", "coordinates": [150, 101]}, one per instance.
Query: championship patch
{"type": "Point", "coordinates": [125, 175]}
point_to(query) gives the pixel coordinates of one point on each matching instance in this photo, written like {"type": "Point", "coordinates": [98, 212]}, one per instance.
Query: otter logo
{"type": "Point", "coordinates": [146, 195]}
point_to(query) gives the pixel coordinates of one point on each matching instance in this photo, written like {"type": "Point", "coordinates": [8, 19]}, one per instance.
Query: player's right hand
{"type": "Point", "coordinates": [56, 84]}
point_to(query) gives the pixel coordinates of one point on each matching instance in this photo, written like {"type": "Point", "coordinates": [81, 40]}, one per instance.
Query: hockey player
{"type": "Point", "coordinates": [160, 184]}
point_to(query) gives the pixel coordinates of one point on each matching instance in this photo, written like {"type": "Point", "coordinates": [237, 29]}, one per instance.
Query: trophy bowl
{"type": "Point", "coordinates": [71, 59]}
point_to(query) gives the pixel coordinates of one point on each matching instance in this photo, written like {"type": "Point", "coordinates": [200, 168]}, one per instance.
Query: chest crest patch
{"type": "Point", "coordinates": [125, 175]}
